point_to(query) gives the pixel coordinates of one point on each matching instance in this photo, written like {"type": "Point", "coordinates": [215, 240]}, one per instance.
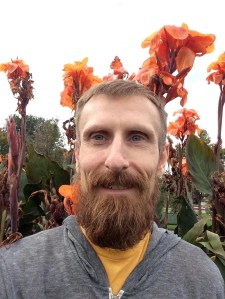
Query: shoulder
{"type": "Point", "coordinates": [181, 255]}
{"type": "Point", "coordinates": [33, 245]}
{"type": "Point", "coordinates": [194, 260]}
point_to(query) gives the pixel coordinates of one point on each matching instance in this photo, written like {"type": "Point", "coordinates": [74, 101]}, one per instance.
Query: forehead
{"type": "Point", "coordinates": [130, 110]}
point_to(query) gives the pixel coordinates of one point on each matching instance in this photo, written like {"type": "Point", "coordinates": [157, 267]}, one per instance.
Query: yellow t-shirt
{"type": "Point", "coordinates": [119, 264]}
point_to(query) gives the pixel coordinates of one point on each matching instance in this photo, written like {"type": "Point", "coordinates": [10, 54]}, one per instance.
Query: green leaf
{"type": "Point", "coordinates": [69, 162]}
{"type": "Point", "coordinates": [220, 264]}
{"type": "Point", "coordinates": [215, 243]}
{"type": "Point", "coordinates": [30, 188]}
{"type": "Point", "coordinates": [201, 163]}
{"type": "Point", "coordinates": [195, 231]}
{"type": "Point", "coordinates": [31, 207]}
{"type": "Point", "coordinates": [41, 168]}
{"type": "Point", "coordinates": [186, 217]}
{"type": "Point", "coordinates": [32, 213]}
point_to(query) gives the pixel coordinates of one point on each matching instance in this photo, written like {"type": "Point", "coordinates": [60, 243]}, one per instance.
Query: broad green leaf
{"type": "Point", "coordinates": [222, 260]}
{"type": "Point", "coordinates": [207, 245]}
{"type": "Point", "coordinates": [69, 162]}
{"type": "Point", "coordinates": [186, 217]}
{"type": "Point", "coordinates": [30, 188]}
{"type": "Point", "coordinates": [32, 214]}
{"type": "Point", "coordinates": [31, 207]}
{"type": "Point", "coordinates": [215, 242]}
{"type": "Point", "coordinates": [39, 167]}
{"type": "Point", "coordinates": [195, 231]}
{"type": "Point", "coordinates": [220, 264]}
{"type": "Point", "coordinates": [201, 162]}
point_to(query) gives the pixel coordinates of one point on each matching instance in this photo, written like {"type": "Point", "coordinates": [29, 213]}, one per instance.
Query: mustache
{"type": "Point", "coordinates": [126, 179]}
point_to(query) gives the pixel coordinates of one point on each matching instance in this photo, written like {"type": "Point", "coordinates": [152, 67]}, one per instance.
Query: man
{"type": "Point", "coordinates": [112, 248]}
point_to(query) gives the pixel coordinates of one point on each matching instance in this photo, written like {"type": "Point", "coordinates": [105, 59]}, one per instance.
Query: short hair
{"type": "Point", "coordinates": [118, 88]}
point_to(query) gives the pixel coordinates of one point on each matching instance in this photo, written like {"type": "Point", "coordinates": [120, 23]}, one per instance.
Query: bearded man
{"type": "Point", "coordinates": [112, 248]}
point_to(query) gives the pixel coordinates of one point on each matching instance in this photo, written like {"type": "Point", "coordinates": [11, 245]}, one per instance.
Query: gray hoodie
{"type": "Point", "coordinates": [60, 264]}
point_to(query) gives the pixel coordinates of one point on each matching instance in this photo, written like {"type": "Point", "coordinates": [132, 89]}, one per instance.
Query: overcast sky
{"type": "Point", "coordinates": [48, 34]}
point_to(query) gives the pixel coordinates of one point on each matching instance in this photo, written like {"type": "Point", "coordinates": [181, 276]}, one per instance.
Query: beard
{"type": "Point", "coordinates": [117, 221]}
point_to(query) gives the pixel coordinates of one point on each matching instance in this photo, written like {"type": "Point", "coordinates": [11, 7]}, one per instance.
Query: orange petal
{"type": "Point", "coordinates": [3, 67]}
{"type": "Point", "coordinates": [168, 79]}
{"type": "Point", "coordinates": [151, 40]}
{"type": "Point", "coordinates": [221, 58]}
{"type": "Point", "coordinates": [199, 43]}
{"type": "Point", "coordinates": [179, 33]}
{"type": "Point", "coordinates": [12, 67]}
{"type": "Point", "coordinates": [185, 59]}
{"type": "Point", "coordinates": [116, 63]}
{"type": "Point", "coordinates": [66, 190]}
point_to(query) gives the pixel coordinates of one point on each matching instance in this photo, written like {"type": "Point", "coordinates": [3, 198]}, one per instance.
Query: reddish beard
{"type": "Point", "coordinates": [117, 221]}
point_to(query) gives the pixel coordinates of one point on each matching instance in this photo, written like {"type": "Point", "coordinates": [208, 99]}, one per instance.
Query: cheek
{"type": "Point", "coordinates": [149, 163]}
{"type": "Point", "coordinates": [89, 162]}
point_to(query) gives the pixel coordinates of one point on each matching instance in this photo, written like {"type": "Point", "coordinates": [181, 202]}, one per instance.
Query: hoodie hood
{"type": "Point", "coordinates": [162, 241]}
{"type": "Point", "coordinates": [60, 263]}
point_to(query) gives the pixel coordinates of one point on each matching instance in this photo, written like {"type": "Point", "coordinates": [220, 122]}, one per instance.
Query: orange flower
{"type": "Point", "coordinates": [184, 125]}
{"type": "Point", "coordinates": [20, 81]}
{"type": "Point", "coordinates": [218, 77]}
{"type": "Point", "coordinates": [78, 78]}
{"type": "Point", "coordinates": [148, 73]}
{"type": "Point", "coordinates": [172, 49]}
{"type": "Point", "coordinates": [119, 71]}
{"type": "Point", "coordinates": [70, 194]}
{"type": "Point", "coordinates": [184, 169]}
{"type": "Point", "coordinates": [15, 69]}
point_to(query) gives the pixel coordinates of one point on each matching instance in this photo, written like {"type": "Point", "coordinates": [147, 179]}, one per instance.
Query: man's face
{"type": "Point", "coordinates": [118, 163]}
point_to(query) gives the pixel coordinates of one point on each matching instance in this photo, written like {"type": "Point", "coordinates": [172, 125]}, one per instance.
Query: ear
{"type": "Point", "coordinates": [163, 159]}
{"type": "Point", "coordinates": [76, 154]}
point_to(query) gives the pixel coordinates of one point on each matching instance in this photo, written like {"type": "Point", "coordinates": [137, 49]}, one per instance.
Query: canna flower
{"type": "Point", "coordinates": [20, 81]}
{"type": "Point", "coordinates": [119, 71]}
{"type": "Point", "coordinates": [172, 54]}
{"type": "Point", "coordinates": [15, 69]}
{"type": "Point", "coordinates": [78, 78]}
{"type": "Point", "coordinates": [185, 124]}
{"type": "Point", "coordinates": [218, 77]}
{"type": "Point", "coordinates": [70, 194]}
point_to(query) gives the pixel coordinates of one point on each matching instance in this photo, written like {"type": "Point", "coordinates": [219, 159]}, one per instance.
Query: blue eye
{"type": "Point", "coordinates": [98, 137]}
{"type": "Point", "coordinates": [136, 138]}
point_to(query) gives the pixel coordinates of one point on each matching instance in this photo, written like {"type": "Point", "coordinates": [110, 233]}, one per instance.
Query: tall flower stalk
{"type": "Point", "coordinates": [218, 77]}
{"type": "Point", "coordinates": [20, 81]}
{"type": "Point", "coordinates": [181, 129]}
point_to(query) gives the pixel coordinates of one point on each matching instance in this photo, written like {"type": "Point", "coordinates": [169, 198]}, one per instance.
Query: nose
{"type": "Point", "coordinates": [116, 159]}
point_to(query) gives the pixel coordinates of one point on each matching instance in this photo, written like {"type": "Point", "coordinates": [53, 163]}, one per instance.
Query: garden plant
{"type": "Point", "coordinates": [36, 193]}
